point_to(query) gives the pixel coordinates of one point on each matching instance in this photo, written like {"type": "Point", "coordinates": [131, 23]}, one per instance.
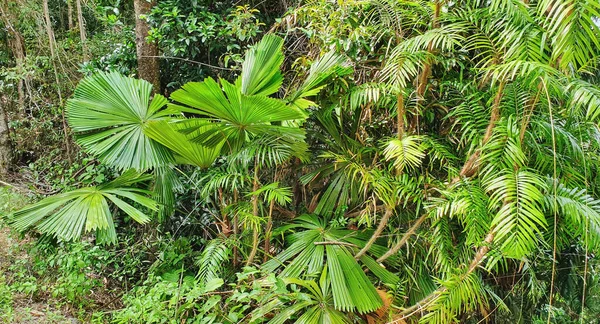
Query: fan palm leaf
{"type": "Point", "coordinates": [109, 112]}
{"type": "Point", "coordinates": [69, 215]}
{"type": "Point", "coordinates": [318, 247]}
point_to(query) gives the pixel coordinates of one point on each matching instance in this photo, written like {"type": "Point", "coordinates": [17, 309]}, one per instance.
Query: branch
{"type": "Point", "coordinates": [187, 60]}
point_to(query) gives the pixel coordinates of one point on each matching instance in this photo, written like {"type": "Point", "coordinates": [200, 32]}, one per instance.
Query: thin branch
{"type": "Point", "coordinates": [187, 60]}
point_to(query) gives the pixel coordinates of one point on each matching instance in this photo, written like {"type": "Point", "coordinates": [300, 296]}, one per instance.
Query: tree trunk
{"type": "Point", "coordinates": [70, 13]}
{"type": "Point", "coordinates": [5, 145]}
{"type": "Point", "coordinates": [422, 80]}
{"type": "Point", "coordinates": [17, 46]}
{"type": "Point", "coordinates": [255, 233]}
{"type": "Point", "coordinates": [52, 45]}
{"type": "Point", "coordinates": [147, 53]}
{"type": "Point", "coordinates": [81, 29]}
{"type": "Point", "coordinates": [49, 31]}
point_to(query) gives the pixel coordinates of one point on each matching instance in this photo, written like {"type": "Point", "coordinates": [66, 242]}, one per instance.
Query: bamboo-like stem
{"type": "Point", "coordinates": [472, 165]}
{"type": "Point", "coordinates": [382, 223]}
{"type": "Point", "coordinates": [404, 239]}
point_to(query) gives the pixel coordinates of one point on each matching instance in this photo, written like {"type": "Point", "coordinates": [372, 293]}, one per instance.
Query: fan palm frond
{"type": "Point", "coordinates": [329, 65]}
{"type": "Point", "coordinates": [69, 215]}
{"type": "Point", "coordinates": [186, 151]}
{"type": "Point", "coordinates": [109, 113]}
{"type": "Point", "coordinates": [261, 73]}
{"type": "Point", "coordinates": [316, 247]}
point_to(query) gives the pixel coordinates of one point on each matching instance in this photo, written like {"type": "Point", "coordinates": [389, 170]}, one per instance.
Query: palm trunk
{"type": "Point", "coordinates": [147, 53]}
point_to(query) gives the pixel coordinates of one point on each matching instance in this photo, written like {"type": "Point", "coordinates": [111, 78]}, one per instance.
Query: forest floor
{"type": "Point", "coordinates": [17, 284]}
{"type": "Point", "coordinates": [21, 307]}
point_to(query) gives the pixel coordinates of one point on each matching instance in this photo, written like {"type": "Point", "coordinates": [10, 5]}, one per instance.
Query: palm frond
{"type": "Point", "coordinates": [316, 248]}
{"type": "Point", "coordinates": [187, 151]}
{"type": "Point", "coordinates": [520, 219]}
{"type": "Point", "coordinates": [575, 37]}
{"type": "Point", "coordinates": [406, 153]}
{"type": "Point", "coordinates": [69, 215]}
{"type": "Point", "coordinates": [261, 73]}
{"type": "Point", "coordinates": [108, 113]}
{"type": "Point", "coordinates": [212, 260]}
{"type": "Point", "coordinates": [329, 65]}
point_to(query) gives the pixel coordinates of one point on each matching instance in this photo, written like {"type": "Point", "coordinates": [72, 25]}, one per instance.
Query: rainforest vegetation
{"type": "Point", "coordinates": [285, 161]}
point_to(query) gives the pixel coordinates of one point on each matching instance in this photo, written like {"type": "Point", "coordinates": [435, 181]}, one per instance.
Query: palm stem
{"type": "Point", "coordinates": [404, 239]}
{"type": "Point", "coordinates": [377, 233]}
{"type": "Point", "coordinates": [429, 299]}
{"type": "Point", "coordinates": [472, 165]}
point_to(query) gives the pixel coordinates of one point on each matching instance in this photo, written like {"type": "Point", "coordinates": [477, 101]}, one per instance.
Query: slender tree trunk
{"type": "Point", "coordinates": [5, 144]}
{"type": "Point", "coordinates": [82, 34]}
{"type": "Point", "coordinates": [17, 45]}
{"type": "Point", "coordinates": [49, 31]}
{"type": "Point", "coordinates": [235, 230]}
{"type": "Point", "coordinates": [472, 165]}
{"type": "Point", "coordinates": [255, 233]}
{"type": "Point", "coordinates": [52, 45]}
{"type": "Point", "coordinates": [426, 72]}
{"type": "Point", "coordinates": [70, 14]}
{"type": "Point", "coordinates": [268, 231]}
{"type": "Point", "coordinates": [147, 53]}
